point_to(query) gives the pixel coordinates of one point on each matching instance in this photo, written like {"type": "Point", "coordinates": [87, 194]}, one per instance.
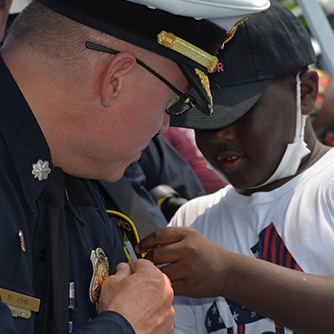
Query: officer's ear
{"type": "Point", "coordinates": [309, 90]}
{"type": "Point", "coordinates": [113, 78]}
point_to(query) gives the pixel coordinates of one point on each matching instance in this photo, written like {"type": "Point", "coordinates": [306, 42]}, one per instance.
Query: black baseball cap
{"type": "Point", "coordinates": [141, 26]}
{"type": "Point", "coordinates": [266, 46]}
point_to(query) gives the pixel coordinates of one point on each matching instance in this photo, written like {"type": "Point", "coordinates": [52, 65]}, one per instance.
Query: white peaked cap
{"type": "Point", "coordinates": [224, 13]}
{"type": "Point", "coordinates": [17, 6]}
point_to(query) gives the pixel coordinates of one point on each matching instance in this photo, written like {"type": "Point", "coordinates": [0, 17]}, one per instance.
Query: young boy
{"type": "Point", "coordinates": [279, 206]}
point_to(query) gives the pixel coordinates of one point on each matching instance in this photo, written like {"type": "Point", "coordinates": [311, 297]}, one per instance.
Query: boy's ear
{"type": "Point", "coordinates": [309, 90]}
{"type": "Point", "coordinates": [114, 75]}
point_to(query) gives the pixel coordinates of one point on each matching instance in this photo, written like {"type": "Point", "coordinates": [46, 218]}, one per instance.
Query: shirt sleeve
{"type": "Point", "coordinates": [107, 322]}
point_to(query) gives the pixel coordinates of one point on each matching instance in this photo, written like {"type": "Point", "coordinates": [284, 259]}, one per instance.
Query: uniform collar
{"type": "Point", "coordinates": [22, 135]}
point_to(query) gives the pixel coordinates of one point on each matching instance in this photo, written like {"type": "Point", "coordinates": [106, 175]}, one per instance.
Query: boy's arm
{"type": "Point", "coordinates": [200, 268]}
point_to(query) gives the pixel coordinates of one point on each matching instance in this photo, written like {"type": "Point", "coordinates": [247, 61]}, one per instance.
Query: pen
{"type": "Point", "coordinates": [71, 306]}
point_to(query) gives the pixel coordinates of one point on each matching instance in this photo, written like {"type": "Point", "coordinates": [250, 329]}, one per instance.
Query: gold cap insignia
{"type": "Point", "coordinates": [205, 83]}
{"type": "Point", "coordinates": [170, 41]}
{"type": "Point", "coordinates": [230, 34]}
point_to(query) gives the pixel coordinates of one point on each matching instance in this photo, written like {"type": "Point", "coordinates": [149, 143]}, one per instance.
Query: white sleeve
{"type": "Point", "coordinates": [185, 320]}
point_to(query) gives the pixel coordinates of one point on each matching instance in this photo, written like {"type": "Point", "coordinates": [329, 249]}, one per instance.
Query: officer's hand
{"type": "Point", "coordinates": [142, 294]}
{"type": "Point", "coordinates": [196, 266]}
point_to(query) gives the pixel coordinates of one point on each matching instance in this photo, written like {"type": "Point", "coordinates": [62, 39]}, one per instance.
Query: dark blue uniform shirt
{"type": "Point", "coordinates": [22, 144]}
{"type": "Point", "coordinates": [160, 164]}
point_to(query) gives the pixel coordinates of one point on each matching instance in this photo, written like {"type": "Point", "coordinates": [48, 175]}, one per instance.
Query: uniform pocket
{"type": "Point", "coordinates": [22, 318]}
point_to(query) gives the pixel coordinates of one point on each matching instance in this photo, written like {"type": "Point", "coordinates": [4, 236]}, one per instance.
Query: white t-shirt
{"type": "Point", "coordinates": [292, 226]}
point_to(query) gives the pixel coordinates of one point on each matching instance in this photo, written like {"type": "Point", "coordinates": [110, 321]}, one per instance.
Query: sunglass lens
{"type": "Point", "coordinates": [177, 107]}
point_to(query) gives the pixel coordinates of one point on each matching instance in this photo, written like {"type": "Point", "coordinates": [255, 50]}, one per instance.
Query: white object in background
{"type": "Point", "coordinates": [17, 6]}
{"type": "Point", "coordinates": [328, 6]}
{"type": "Point", "coordinates": [320, 30]}
{"type": "Point", "coordinates": [225, 13]}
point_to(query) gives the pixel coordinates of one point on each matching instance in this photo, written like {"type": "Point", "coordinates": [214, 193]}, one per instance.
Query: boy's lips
{"type": "Point", "coordinates": [231, 161]}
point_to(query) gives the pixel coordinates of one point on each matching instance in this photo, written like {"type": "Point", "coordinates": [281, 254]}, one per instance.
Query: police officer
{"type": "Point", "coordinates": [85, 85]}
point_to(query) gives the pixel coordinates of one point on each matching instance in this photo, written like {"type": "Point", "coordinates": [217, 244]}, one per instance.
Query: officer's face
{"type": "Point", "coordinates": [142, 115]}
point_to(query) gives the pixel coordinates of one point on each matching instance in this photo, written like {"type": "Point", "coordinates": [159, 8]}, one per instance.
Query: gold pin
{"type": "Point", "coordinates": [230, 34]}
{"type": "Point", "coordinates": [22, 243]}
{"type": "Point", "coordinates": [170, 41]}
{"type": "Point", "coordinates": [205, 83]}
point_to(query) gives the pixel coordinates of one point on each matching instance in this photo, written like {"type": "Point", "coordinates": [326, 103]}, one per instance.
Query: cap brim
{"type": "Point", "coordinates": [230, 104]}
{"type": "Point", "coordinates": [141, 26]}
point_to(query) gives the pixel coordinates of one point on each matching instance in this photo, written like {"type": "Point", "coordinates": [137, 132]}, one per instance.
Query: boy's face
{"type": "Point", "coordinates": [249, 151]}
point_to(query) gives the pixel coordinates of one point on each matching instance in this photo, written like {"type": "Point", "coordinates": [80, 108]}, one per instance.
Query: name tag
{"type": "Point", "coordinates": [20, 305]}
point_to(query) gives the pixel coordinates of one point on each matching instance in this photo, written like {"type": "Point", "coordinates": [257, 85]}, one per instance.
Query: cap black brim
{"type": "Point", "coordinates": [229, 105]}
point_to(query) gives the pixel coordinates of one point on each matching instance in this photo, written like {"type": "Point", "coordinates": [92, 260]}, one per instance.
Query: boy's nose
{"type": "Point", "coordinates": [223, 134]}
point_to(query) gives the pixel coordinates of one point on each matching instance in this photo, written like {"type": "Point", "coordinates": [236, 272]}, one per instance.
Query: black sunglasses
{"type": "Point", "coordinates": [177, 106]}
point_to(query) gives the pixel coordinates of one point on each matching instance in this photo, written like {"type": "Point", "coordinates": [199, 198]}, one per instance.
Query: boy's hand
{"type": "Point", "coordinates": [196, 266]}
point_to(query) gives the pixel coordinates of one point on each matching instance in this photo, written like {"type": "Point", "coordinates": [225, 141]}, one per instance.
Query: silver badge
{"type": "Point", "coordinates": [41, 170]}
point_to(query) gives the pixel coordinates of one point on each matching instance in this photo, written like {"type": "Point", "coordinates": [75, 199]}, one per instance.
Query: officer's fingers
{"type": "Point", "coordinates": [123, 270]}
{"type": "Point", "coordinates": [146, 269]}
{"type": "Point", "coordinates": [163, 236]}
{"type": "Point", "coordinates": [108, 286]}
{"type": "Point", "coordinates": [152, 276]}
{"type": "Point", "coordinates": [121, 266]}
{"type": "Point", "coordinates": [140, 265]}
